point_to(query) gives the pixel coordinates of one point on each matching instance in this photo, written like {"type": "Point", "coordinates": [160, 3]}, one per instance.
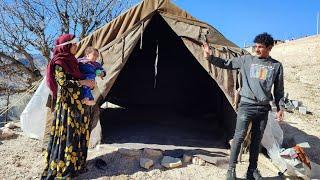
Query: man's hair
{"type": "Point", "coordinates": [89, 50]}
{"type": "Point", "coordinates": [265, 39]}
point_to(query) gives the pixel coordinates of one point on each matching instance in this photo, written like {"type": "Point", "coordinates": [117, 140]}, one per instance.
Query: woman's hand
{"type": "Point", "coordinates": [89, 83]}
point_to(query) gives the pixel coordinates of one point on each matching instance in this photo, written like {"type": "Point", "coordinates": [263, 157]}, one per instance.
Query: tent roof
{"type": "Point", "coordinates": [135, 15]}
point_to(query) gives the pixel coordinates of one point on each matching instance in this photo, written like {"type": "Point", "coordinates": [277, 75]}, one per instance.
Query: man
{"type": "Point", "coordinates": [259, 73]}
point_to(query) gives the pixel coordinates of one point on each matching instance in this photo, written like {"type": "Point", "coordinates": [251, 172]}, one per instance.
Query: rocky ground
{"type": "Point", "coordinates": [22, 159]}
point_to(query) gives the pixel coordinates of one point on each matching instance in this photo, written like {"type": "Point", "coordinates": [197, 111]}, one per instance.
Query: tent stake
{"type": "Point", "coordinates": [7, 106]}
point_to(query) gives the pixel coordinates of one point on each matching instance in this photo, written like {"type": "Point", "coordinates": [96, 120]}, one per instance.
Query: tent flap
{"type": "Point", "coordinates": [115, 57]}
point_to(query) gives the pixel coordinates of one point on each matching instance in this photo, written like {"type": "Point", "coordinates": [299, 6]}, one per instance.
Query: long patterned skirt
{"type": "Point", "coordinates": [69, 138]}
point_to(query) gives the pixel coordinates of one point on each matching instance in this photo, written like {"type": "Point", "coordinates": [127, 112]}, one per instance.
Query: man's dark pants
{"type": "Point", "coordinates": [258, 115]}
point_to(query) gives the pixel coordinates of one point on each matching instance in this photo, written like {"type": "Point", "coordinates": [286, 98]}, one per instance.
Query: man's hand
{"type": "Point", "coordinates": [206, 50]}
{"type": "Point", "coordinates": [280, 115]}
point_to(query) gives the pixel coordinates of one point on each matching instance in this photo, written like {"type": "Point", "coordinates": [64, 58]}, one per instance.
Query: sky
{"type": "Point", "coordinates": [240, 21]}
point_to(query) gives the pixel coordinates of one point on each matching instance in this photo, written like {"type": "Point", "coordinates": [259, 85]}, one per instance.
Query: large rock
{"type": "Point", "coordinates": [146, 163]}
{"type": "Point", "coordinates": [187, 158]}
{"type": "Point", "coordinates": [152, 154]}
{"type": "Point", "coordinates": [198, 161]}
{"type": "Point", "coordinates": [11, 125]}
{"type": "Point", "coordinates": [303, 110]}
{"type": "Point", "coordinates": [129, 152]}
{"type": "Point", "coordinates": [215, 160]}
{"type": "Point", "coordinates": [176, 153]}
{"type": "Point", "coordinates": [170, 162]}
{"type": "Point", "coordinates": [6, 133]}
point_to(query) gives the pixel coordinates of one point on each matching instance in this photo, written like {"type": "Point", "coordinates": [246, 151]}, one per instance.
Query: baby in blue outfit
{"type": "Point", "coordinates": [90, 68]}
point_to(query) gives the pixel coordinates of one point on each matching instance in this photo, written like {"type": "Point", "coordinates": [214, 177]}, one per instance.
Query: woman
{"type": "Point", "coordinates": [69, 136]}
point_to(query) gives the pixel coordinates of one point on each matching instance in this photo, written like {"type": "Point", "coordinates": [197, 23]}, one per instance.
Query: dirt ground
{"type": "Point", "coordinates": [21, 157]}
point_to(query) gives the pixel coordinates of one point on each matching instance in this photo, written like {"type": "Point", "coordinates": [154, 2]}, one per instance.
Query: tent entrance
{"type": "Point", "coordinates": [166, 96]}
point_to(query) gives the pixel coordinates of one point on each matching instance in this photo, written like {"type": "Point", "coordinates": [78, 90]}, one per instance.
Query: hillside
{"type": "Point", "coordinates": [301, 62]}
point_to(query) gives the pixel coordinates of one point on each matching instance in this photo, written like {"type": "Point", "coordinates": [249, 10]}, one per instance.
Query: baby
{"type": "Point", "coordinates": [90, 68]}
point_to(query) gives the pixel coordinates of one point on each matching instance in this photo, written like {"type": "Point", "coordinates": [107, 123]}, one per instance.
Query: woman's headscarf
{"type": "Point", "coordinates": [62, 57]}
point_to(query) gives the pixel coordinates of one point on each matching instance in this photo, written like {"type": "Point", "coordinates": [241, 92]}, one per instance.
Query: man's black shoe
{"type": "Point", "coordinates": [254, 175]}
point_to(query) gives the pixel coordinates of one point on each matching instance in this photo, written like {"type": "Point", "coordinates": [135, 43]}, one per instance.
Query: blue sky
{"type": "Point", "coordinates": [240, 21]}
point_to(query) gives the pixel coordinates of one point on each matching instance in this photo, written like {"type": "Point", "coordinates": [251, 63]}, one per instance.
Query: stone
{"type": "Point", "coordinates": [170, 162]}
{"type": "Point", "coordinates": [176, 153]}
{"type": "Point", "coordinates": [303, 110]}
{"type": "Point", "coordinates": [296, 103]}
{"type": "Point", "coordinates": [198, 161]}
{"type": "Point", "coordinates": [6, 133]}
{"type": "Point", "coordinates": [10, 125]}
{"type": "Point", "coordinates": [146, 163]}
{"type": "Point", "coordinates": [289, 106]}
{"type": "Point", "coordinates": [152, 153]}
{"type": "Point", "coordinates": [129, 152]}
{"type": "Point", "coordinates": [187, 158]}
{"type": "Point", "coordinates": [213, 158]}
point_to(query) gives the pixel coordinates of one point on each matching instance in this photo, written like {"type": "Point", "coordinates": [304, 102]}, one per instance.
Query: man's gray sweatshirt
{"type": "Point", "coordinates": [258, 76]}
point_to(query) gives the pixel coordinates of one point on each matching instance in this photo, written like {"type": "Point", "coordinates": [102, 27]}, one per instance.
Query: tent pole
{"type": "Point", "coordinates": [318, 23]}
{"type": "Point", "coordinates": [141, 34]}
{"type": "Point", "coordinates": [156, 66]}
{"type": "Point", "coordinates": [7, 106]}
{"type": "Point", "coordinates": [123, 46]}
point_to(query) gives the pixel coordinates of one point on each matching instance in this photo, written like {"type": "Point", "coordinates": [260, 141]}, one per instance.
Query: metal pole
{"type": "Point", "coordinates": [318, 23]}
{"type": "Point", "coordinates": [7, 107]}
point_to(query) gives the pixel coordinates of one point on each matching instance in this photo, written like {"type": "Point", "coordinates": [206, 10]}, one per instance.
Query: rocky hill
{"type": "Point", "coordinates": [301, 62]}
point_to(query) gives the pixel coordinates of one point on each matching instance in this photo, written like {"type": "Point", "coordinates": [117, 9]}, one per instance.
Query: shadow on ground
{"type": "Point", "coordinates": [116, 164]}
{"type": "Point", "coordinates": [293, 136]}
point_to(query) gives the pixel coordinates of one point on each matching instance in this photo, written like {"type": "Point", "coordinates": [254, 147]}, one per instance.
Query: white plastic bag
{"type": "Point", "coordinates": [273, 134]}
{"type": "Point", "coordinates": [33, 116]}
{"type": "Point", "coordinates": [272, 140]}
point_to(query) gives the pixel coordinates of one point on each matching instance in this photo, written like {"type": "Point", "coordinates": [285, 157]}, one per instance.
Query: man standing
{"type": "Point", "coordinates": [259, 73]}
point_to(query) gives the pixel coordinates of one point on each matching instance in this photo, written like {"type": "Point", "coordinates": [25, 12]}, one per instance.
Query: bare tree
{"type": "Point", "coordinates": [24, 28]}
{"type": "Point", "coordinates": [83, 16]}
{"type": "Point", "coordinates": [30, 26]}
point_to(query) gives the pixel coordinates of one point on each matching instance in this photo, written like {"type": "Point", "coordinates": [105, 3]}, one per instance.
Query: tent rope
{"type": "Point", "coordinates": [141, 34]}
{"type": "Point", "coordinates": [123, 49]}
{"type": "Point", "coordinates": [11, 105]}
{"type": "Point", "coordinates": [156, 66]}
